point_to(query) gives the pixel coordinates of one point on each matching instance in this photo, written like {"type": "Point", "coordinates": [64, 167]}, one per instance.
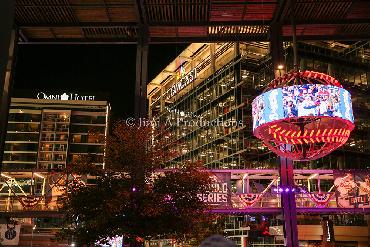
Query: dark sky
{"type": "Point", "coordinates": [89, 68]}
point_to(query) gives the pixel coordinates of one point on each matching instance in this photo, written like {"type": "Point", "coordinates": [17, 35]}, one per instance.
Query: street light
{"type": "Point", "coordinates": [33, 229]}
{"type": "Point", "coordinates": [73, 244]}
{"type": "Point", "coordinates": [280, 67]}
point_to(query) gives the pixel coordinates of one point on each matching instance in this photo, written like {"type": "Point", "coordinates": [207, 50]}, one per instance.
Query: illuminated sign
{"type": "Point", "coordinates": [64, 96]}
{"type": "Point", "coordinates": [219, 195]}
{"type": "Point", "coordinates": [181, 84]}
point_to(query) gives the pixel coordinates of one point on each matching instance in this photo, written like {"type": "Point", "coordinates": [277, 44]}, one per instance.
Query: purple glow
{"type": "Point", "coordinates": [275, 189]}
{"type": "Point", "coordinates": [299, 209]}
{"type": "Point", "coordinates": [293, 190]}
{"type": "Point", "coordinates": [280, 190]}
{"type": "Point", "coordinates": [133, 189]}
{"type": "Point", "coordinates": [287, 190]}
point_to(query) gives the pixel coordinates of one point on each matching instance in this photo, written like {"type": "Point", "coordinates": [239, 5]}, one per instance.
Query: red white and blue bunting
{"type": "Point", "coordinates": [29, 201]}
{"type": "Point", "coordinates": [320, 199]}
{"type": "Point", "coordinates": [249, 199]}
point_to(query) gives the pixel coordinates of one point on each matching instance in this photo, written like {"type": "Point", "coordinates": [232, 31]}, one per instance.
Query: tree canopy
{"type": "Point", "coordinates": [133, 197]}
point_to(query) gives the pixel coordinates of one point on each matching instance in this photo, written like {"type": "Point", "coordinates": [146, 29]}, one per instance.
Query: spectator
{"type": "Point", "coordinates": [217, 241]}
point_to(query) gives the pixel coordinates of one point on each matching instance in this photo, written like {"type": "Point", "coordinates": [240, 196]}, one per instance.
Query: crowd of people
{"type": "Point", "coordinates": [302, 101]}
{"type": "Point", "coordinates": [311, 100]}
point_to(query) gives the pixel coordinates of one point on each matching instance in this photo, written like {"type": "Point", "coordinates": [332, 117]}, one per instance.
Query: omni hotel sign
{"type": "Point", "coordinates": [181, 84]}
{"type": "Point", "coordinates": [64, 96]}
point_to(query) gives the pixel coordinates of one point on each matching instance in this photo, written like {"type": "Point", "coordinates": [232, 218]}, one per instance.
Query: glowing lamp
{"type": "Point", "coordinates": [303, 115]}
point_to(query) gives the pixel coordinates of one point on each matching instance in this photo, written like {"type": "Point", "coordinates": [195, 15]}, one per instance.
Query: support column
{"type": "Point", "coordinates": [236, 49]}
{"type": "Point", "coordinates": [288, 203]}
{"type": "Point", "coordinates": [8, 40]}
{"type": "Point", "coordinates": [237, 72]}
{"type": "Point", "coordinates": [141, 75]}
{"type": "Point", "coordinates": [303, 63]}
{"type": "Point", "coordinates": [328, 239]}
{"type": "Point", "coordinates": [212, 56]}
{"type": "Point", "coordinates": [149, 110]}
{"type": "Point", "coordinates": [276, 50]}
{"type": "Point", "coordinates": [162, 99]}
{"type": "Point", "coordinates": [341, 162]}
{"type": "Point", "coordinates": [286, 166]}
{"type": "Point", "coordinates": [330, 69]}
{"type": "Point", "coordinates": [368, 229]}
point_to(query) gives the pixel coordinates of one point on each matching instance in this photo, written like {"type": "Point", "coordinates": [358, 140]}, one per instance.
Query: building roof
{"type": "Point", "coordinates": [163, 21]}
{"type": "Point", "coordinates": [30, 101]}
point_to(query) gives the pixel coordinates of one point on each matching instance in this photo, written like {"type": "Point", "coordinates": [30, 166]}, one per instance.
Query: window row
{"type": "Point", "coordinates": [24, 117]}
{"type": "Point", "coordinates": [24, 127]}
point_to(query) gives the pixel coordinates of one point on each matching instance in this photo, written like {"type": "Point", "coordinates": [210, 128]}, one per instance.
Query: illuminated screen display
{"type": "Point", "coordinates": [302, 101]}
{"type": "Point", "coordinates": [112, 242]}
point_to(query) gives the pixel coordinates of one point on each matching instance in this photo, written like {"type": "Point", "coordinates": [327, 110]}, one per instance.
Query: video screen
{"type": "Point", "coordinates": [112, 242]}
{"type": "Point", "coordinates": [302, 101]}
{"type": "Point", "coordinates": [267, 107]}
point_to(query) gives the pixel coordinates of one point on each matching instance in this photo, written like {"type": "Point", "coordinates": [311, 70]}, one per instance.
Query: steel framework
{"type": "Point", "coordinates": [166, 21]}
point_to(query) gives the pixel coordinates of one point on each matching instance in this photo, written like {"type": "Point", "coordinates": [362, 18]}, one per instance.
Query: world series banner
{"type": "Point", "coordinates": [219, 195]}
{"type": "Point", "coordinates": [352, 188]}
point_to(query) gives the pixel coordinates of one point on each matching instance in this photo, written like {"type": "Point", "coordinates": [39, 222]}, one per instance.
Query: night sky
{"type": "Point", "coordinates": [106, 69]}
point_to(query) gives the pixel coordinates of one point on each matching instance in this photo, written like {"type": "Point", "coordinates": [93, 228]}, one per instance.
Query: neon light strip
{"type": "Point", "coordinates": [333, 135]}
{"type": "Point", "coordinates": [307, 74]}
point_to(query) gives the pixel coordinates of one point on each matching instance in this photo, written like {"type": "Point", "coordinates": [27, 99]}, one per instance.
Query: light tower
{"type": "Point", "coordinates": [303, 115]}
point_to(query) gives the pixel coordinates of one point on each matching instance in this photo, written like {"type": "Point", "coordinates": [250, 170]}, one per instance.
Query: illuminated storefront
{"type": "Point", "coordinates": [209, 120]}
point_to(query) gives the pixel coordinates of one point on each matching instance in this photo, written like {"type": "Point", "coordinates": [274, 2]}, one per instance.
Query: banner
{"type": "Point", "coordinates": [9, 234]}
{"type": "Point", "coordinates": [352, 188]}
{"type": "Point", "coordinates": [249, 200]}
{"type": "Point", "coordinates": [320, 199]}
{"type": "Point", "coordinates": [219, 195]}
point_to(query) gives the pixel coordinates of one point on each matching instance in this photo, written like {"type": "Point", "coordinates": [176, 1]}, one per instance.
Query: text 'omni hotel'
{"type": "Point", "coordinates": [65, 96]}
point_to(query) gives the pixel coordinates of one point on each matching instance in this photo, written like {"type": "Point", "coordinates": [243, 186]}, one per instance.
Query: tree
{"type": "Point", "coordinates": [131, 199]}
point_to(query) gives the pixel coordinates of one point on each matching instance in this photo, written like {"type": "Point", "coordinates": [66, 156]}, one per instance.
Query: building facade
{"type": "Point", "coordinates": [202, 101]}
{"type": "Point", "coordinates": [45, 134]}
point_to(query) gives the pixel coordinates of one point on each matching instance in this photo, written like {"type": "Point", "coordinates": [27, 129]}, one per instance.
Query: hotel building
{"type": "Point", "coordinates": [203, 98]}
{"type": "Point", "coordinates": [45, 134]}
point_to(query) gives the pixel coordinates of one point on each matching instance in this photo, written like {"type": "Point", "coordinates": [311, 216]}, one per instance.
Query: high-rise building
{"type": "Point", "coordinates": [203, 100]}
{"type": "Point", "coordinates": [44, 134]}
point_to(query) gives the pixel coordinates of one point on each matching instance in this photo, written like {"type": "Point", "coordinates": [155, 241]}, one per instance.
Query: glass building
{"type": "Point", "coordinates": [202, 103]}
